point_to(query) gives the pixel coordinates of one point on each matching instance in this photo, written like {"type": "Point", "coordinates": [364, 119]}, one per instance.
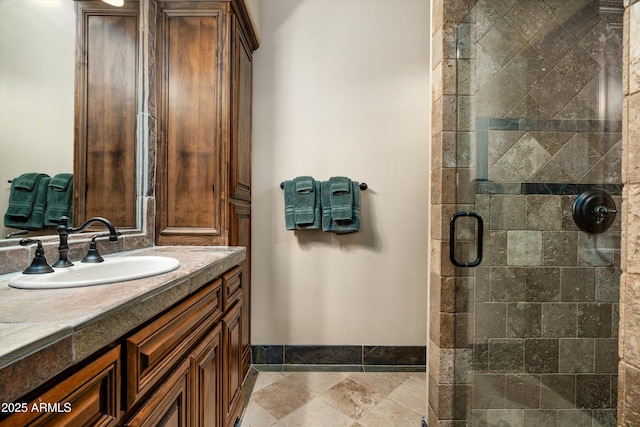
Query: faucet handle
{"type": "Point", "coordinates": [92, 255]}
{"type": "Point", "coordinates": [39, 265]}
{"type": "Point", "coordinates": [16, 233]}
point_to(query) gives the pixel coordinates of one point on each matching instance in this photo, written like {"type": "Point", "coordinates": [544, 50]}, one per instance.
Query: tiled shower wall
{"type": "Point", "coordinates": [545, 316]}
{"type": "Point", "coordinates": [539, 85]}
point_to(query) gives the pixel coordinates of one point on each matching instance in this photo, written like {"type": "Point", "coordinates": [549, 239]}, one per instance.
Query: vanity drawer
{"type": "Point", "coordinates": [232, 287]}
{"type": "Point", "coordinates": [153, 351]}
{"type": "Point", "coordinates": [90, 396]}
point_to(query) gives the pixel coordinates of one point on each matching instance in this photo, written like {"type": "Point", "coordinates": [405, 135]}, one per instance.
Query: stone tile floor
{"type": "Point", "coordinates": [334, 399]}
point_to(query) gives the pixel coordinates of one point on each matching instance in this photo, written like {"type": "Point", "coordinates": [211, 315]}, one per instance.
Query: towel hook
{"type": "Point", "coordinates": [363, 186]}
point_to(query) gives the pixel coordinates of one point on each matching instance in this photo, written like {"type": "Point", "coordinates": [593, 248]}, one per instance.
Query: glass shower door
{"type": "Point", "coordinates": [538, 123]}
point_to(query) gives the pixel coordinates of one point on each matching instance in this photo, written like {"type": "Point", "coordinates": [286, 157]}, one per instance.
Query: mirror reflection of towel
{"type": "Point", "coordinates": [27, 201]}
{"type": "Point", "coordinates": [59, 198]}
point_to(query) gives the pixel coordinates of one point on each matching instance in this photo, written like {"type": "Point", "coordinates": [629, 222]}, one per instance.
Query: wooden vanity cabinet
{"type": "Point", "coordinates": [202, 336]}
{"type": "Point", "coordinates": [181, 368]}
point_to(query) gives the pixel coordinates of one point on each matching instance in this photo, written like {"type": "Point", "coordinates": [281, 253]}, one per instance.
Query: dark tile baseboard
{"type": "Point", "coordinates": [343, 355]}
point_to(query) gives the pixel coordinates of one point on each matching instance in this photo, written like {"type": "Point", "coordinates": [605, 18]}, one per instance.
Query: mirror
{"type": "Point", "coordinates": [37, 60]}
{"type": "Point", "coordinates": [37, 102]}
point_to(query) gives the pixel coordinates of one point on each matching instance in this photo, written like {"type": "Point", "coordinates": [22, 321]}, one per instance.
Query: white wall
{"type": "Point", "coordinates": [341, 87]}
{"type": "Point", "coordinates": [255, 7]}
{"type": "Point", "coordinates": [37, 47]}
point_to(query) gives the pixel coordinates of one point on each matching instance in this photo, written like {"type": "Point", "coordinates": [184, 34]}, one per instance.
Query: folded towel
{"type": "Point", "coordinates": [341, 198]}
{"type": "Point", "coordinates": [340, 226]}
{"type": "Point", "coordinates": [59, 198]}
{"type": "Point", "coordinates": [302, 203]}
{"type": "Point", "coordinates": [27, 202]}
{"type": "Point", "coordinates": [27, 181]}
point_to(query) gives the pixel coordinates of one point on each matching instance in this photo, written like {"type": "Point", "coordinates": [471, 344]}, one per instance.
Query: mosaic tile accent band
{"type": "Point", "coordinates": [547, 150]}
{"type": "Point", "coordinates": [339, 355]}
{"type": "Point", "coordinates": [537, 124]}
{"type": "Point", "coordinates": [544, 188]}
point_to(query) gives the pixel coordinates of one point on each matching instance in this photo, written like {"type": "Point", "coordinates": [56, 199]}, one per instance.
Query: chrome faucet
{"type": "Point", "coordinates": [64, 230]}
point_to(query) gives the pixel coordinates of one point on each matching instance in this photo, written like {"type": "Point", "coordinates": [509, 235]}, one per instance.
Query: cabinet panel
{"type": "Point", "coordinates": [232, 396]}
{"type": "Point", "coordinates": [240, 235]}
{"type": "Point", "coordinates": [155, 349]}
{"type": "Point", "coordinates": [241, 95]}
{"type": "Point", "coordinates": [91, 396]}
{"type": "Point", "coordinates": [169, 405]}
{"type": "Point", "coordinates": [106, 112]}
{"type": "Point", "coordinates": [206, 380]}
{"type": "Point", "coordinates": [191, 127]}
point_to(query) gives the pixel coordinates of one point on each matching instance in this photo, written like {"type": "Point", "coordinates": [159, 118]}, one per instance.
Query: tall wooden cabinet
{"type": "Point", "coordinates": [203, 186]}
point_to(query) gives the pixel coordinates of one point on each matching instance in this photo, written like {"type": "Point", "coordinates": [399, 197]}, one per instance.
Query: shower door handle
{"type": "Point", "coordinates": [452, 239]}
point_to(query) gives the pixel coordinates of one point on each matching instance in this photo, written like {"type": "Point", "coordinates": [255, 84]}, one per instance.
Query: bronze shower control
{"type": "Point", "coordinates": [594, 211]}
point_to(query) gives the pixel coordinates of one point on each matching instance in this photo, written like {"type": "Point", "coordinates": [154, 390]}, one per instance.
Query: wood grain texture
{"type": "Point", "coordinates": [192, 63]}
{"type": "Point", "coordinates": [240, 235]}
{"type": "Point", "coordinates": [232, 396]}
{"type": "Point", "coordinates": [92, 395]}
{"type": "Point", "coordinates": [241, 99]}
{"type": "Point", "coordinates": [206, 380]}
{"type": "Point", "coordinates": [154, 350]}
{"type": "Point", "coordinates": [106, 114]}
{"type": "Point", "coordinates": [169, 405]}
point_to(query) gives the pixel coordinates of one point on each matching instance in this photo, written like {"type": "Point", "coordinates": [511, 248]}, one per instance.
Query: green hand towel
{"type": "Point", "coordinates": [340, 226]}
{"type": "Point", "coordinates": [341, 198]}
{"type": "Point", "coordinates": [59, 198]}
{"type": "Point", "coordinates": [27, 181]}
{"type": "Point", "coordinates": [304, 201]}
{"type": "Point", "coordinates": [302, 204]}
{"type": "Point", "coordinates": [26, 207]}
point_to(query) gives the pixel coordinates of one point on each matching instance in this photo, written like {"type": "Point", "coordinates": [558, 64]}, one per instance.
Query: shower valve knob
{"type": "Point", "coordinates": [601, 213]}
{"type": "Point", "coordinates": [594, 211]}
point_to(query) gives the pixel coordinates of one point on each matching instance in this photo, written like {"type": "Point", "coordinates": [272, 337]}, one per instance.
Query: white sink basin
{"type": "Point", "coordinates": [112, 270]}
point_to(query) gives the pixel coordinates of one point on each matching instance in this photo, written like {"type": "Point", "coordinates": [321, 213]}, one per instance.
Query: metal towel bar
{"type": "Point", "coordinates": [363, 186]}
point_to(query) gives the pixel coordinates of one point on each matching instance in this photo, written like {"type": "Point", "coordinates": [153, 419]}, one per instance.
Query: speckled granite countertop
{"type": "Point", "coordinates": [43, 332]}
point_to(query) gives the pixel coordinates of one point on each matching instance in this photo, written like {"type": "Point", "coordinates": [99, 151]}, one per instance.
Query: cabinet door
{"type": "Point", "coordinates": [206, 380]}
{"type": "Point", "coordinates": [240, 172]}
{"type": "Point", "coordinates": [193, 123]}
{"type": "Point", "coordinates": [240, 235]}
{"type": "Point", "coordinates": [91, 396]}
{"type": "Point", "coordinates": [232, 396]}
{"type": "Point", "coordinates": [154, 350]}
{"type": "Point", "coordinates": [169, 405]}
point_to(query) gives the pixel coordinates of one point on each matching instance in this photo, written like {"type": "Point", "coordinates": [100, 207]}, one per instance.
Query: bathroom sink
{"type": "Point", "coordinates": [112, 270]}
